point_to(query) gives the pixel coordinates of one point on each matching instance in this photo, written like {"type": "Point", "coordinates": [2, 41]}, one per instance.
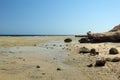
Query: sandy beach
{"type": "Point", "coordinates": [50, 58]}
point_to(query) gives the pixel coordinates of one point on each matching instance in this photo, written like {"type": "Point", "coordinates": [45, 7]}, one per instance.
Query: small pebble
{"type": "Point", "coordinates": [37, 66]}
{"type": "Point", "coordinates": [43, 73]}
{"type": "Point", "coordinates": [58, 69]}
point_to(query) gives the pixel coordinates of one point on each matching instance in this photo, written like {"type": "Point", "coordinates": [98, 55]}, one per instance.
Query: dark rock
{"type": "Point", "coordinates": [97, 53]}
{"type": "Point", "coordinates": [54, 44]}
{"type": "Point", "coordinates": [93, 52]}
{"type": "Point", "coordinates": [90, 65]}
{"type": "Point", "coordinates": [84, 50]}
{"type": "Point", "coordinates": [58, 69]}
{"type": "Point", "coordinates": [113, 51]}
{"type": "Point", "coordinates": [100, 63]}
{"type": "Point", "coordinates": [108, 59]}
{"type": "Point", "coordinates": [43, 73]}
{"type": "Point", "coordinates": [37, 66]}
{"type": "Point", "coordinates": [68, 40]}
{"type": "Point", "coordinates": [84, 40]}
{"type": "Point", "coordinates": [116, 59]}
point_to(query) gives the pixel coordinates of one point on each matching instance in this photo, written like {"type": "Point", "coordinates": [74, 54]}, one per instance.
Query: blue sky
{"type": "Point", "coordinates": [58, 16]}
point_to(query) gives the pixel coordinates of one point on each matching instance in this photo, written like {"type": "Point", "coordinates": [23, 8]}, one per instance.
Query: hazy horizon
{"type": "Point", "coordinates": [63, 17]}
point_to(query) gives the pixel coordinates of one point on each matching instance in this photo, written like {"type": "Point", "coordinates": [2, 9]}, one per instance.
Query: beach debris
{"type": "Point", "coordinates": [90, 65]}
{"type": "Point", "coordinates": [84, 50]}
{"type": "Point", "coordinates": [93, 52]}
{"type": "Point", "coordinates": [113, 51]}
{"type": "Point", "coordinates": [100, 63]}
{"type": "Point", "coordinates": [58, 69]}
{"type": "Point", "coordinates": [37, 66]}
{"type": "Point", "coordinates": [84, 40]}
{"type": "Point", "coordinates": [67, 40]}
{"type": "Point", "coordinates": [116, 59]}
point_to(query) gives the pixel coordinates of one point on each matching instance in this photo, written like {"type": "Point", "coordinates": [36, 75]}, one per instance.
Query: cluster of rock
{"type": "Point", "coordinates": [101, 62]}
{"type": "Point", "coordinates": [86, 50]}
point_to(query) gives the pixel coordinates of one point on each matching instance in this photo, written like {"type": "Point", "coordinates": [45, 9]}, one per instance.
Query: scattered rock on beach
{"type": "Point", "coordinates": [113, 51]}
{"type": "Point", "coordinates": [84, 50]}
{"type": "Point", "coordinates": [100, 63]}
{"type": "Point", "coordinates": [67, 40]}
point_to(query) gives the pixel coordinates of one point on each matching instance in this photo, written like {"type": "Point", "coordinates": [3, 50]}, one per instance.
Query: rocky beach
{"type": "Point", "coordinates": [50, 58]}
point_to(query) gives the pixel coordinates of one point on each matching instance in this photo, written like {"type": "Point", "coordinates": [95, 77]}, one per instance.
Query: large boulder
{"type": "Point", "coordinates": [113, 51]}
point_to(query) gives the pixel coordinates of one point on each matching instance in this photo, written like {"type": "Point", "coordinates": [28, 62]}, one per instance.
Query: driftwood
{"type": "Point", "coordinates": [110, 36]}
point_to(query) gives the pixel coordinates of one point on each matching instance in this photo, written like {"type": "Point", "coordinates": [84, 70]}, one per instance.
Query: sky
{"type": "Point", "coordinates": [58, 17]}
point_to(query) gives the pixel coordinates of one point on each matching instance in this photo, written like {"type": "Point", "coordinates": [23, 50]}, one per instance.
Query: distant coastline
{"type": "Point", "coordinates": [19, 35]}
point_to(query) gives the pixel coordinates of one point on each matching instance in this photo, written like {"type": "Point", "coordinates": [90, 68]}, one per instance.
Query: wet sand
{"type": "Point", "coordinates": [49, 58]}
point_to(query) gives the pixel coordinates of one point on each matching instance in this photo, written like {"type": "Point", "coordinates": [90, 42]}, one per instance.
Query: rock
{"type": "Point", "coordinates": [113, 51]}
{"type": "Point", "coordinates": [43, 73]}
{"type": "Point", "coordinates": [93, 52]}
{"type": "Point", "coordinates": [84, 50]}
{"type": "Point", "coordinates": [37, 66]}
{"type": "Point", "coordinates": [90, 65]}
{"type": "Point", "coordinates": [100, 63]}
{"type": "Point", "coordinates": [84, 40]}
{"type": "Point", "coordinates": [97, 53]}
{"type": "Point", "coordinates": [58, 69]}
{"type": "Point", "coordinates": [116, 59]}
{"type": "Point", "coordinates": [108, 59]}
{"type": "Point", "coordinates": [68, 40]}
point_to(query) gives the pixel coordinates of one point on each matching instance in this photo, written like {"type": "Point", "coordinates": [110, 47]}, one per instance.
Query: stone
{"type": "Point", "coordinates": [116, 59]}
{"type": "Point", "coordinates": [67, 40]}
{"type": "Point", "coordinates": [84, 50]}
{"type": "Point", "coordinates": [90, 65]}
{"type": "Point", "coordinates": [113, 51]}
{"type": "Point", "coordinates": [58, 69]}
{"type": "Point", "coordinates": [93, 52]}
{"type": "Point", "coordinates": [84, 40]}
{"type": "Point", "coordinates": [37, 66]}
{"type": "Point", "coordinates": [100, 63]}
{"type": "Point", "coordinates": [108, 59]}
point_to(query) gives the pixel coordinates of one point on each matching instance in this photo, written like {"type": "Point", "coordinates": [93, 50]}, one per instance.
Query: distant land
{"type": "Point", "coordinates": [34, 35]}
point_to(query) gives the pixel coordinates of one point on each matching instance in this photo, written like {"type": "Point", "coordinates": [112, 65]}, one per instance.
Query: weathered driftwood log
{"type": "Point", "coordinates": [111, 36]}
{"type": "Point", "coordinates": [104, 37]}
